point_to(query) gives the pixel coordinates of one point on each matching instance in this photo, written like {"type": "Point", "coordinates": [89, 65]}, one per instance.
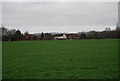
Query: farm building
{"type": "Point", "coordinates": [66, 36]}
{"type": "Point", "coordinates": [73, 36]}
{"type": "Point", "coordinates": [60, 37]}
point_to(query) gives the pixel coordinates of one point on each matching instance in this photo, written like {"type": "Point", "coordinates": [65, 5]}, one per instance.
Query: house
{"type": "Point", "coordinates": [73, 36]}
{"type": "Point", "coordinates": [66, 36]}
{"type": "Point", "coordinates": [60, 37]}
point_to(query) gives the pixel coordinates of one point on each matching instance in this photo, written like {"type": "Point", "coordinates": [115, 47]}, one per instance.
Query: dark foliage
{"type": "Point", "coordinates": [13, 35]}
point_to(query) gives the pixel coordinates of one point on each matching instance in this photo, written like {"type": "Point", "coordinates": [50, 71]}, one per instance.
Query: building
{"type": "Point", "coordinates": [66, 36]}
{"type": "Point", "coordinates": [60, 37]}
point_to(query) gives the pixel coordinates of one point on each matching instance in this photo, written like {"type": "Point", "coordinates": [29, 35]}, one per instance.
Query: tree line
{"type": "Point", "coordinates": [16, 35]}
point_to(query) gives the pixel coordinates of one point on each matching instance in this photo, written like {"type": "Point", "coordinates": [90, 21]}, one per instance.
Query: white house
{"type": "Point", "coordinates": [61, 37]}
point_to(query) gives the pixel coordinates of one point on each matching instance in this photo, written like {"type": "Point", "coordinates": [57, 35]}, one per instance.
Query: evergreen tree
{"type": "Point", "coordinates": [18, 35]}
{"type": "Point", "coordinates": [42, 36]}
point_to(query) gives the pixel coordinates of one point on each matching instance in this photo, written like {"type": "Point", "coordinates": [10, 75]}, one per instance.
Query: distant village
{"type": "Point", "coordinates": [16, 35]}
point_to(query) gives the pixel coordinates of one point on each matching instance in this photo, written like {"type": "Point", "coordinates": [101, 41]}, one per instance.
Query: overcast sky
{"type": "Point", "coordinates": [59, 16]}
{"type": "Point", "coordinates": [60, 0]}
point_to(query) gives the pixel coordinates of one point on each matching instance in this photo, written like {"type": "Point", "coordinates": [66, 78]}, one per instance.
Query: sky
{"type": "Point", "coordinates": [59, 0]}
{"type": "Point", "coordinates": [37, 17]}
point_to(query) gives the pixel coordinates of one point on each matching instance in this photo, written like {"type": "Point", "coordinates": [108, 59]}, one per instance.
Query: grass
{"type": "Point", "coordinates": [61, 59]}
{"type": "Point", "coordinates": [0, 60]}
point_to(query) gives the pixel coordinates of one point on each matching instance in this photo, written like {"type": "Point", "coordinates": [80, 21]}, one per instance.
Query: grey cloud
{"type": "Point", "coordinates": [60, 0]}
{"type": "Point", "coordinates": [0, 13]}
{"type": "Point", "coordinates": [56, 16]}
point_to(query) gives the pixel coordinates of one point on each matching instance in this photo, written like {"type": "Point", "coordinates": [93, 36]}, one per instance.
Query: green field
{"type": "Point", "coordinates": [60, 59]}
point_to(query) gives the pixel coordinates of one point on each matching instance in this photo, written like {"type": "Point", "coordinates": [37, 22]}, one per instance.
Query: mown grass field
{"type": "Point", "coordinates": [60, 59]}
